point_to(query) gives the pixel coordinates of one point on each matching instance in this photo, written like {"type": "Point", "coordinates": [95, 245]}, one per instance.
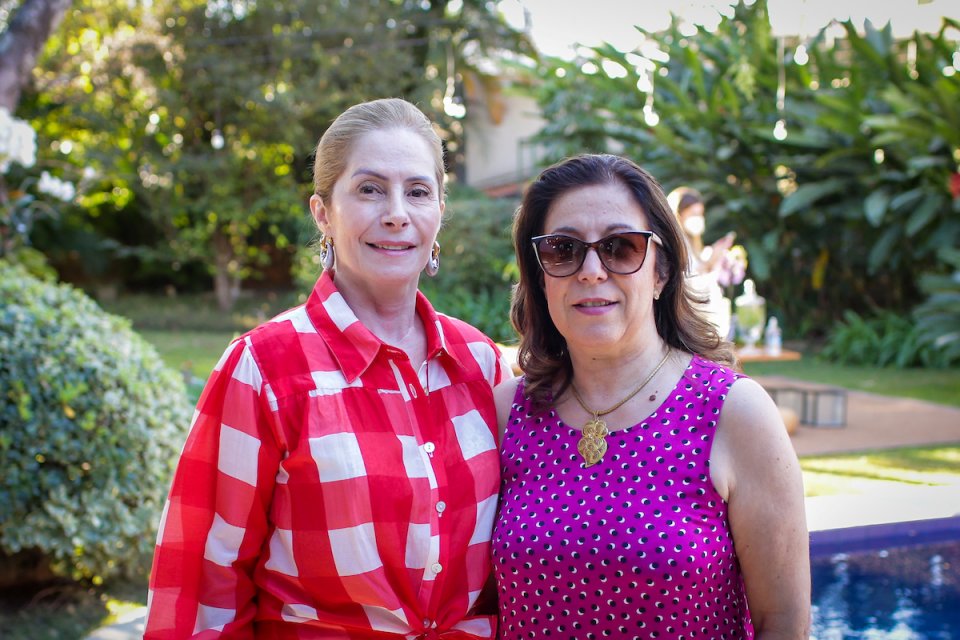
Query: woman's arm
{"type": "Point", "coordinates": [503, 395]}
{"type": "Point", "coordinates": [755, 468]}
{"type": "Point", "coordinates": [215, 520]}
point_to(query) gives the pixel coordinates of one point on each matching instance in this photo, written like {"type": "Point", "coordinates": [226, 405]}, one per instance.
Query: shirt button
{"type": "Point", "coordinates": [441, 506]}
{"type": "Point", "coordinates": [429, 447]}
{"type": "Point", "coordinates": [436, 567]}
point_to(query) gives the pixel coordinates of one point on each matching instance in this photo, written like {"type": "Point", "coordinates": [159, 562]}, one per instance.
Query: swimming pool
{"type": "Point", "coordinates": [887, 582]}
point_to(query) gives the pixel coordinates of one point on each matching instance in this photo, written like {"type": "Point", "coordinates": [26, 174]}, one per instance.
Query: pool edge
{"type": "Point", "coordinates": [874, 537]}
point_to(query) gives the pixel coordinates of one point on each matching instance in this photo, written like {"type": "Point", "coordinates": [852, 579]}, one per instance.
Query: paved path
{"type": "Point", "coordinates": [873, 422]}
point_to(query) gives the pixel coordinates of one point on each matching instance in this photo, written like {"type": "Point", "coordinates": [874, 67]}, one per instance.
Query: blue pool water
{"type": "Point", "coordinates": [909, 592]}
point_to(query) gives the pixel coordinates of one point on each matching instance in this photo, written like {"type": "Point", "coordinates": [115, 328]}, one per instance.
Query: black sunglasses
{"type": "Point", "coordinates": [622, 253]}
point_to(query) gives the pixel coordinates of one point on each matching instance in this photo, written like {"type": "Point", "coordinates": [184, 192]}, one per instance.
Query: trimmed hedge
{"type": "Point", "coordinates": [91, 423]}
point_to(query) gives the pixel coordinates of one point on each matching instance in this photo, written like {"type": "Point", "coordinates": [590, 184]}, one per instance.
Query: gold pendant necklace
{"type": "Point", "coordinates": [593, 443]}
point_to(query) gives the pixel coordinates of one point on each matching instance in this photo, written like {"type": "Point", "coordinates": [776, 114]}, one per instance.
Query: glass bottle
{"type": "Point", "coordinates": [751, 315]}
{"type": "Point", "coordinates": [772, 338]}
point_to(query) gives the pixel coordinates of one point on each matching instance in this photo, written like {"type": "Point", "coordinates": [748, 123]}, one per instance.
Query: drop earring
{"type": "Point", "coordinates": [433, 264]}
{"type": "Point", "coordinates": [327, 255]}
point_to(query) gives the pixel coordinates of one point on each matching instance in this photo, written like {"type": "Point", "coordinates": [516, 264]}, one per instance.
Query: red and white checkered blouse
{"type": "Point", "coordinates": [329, 490]}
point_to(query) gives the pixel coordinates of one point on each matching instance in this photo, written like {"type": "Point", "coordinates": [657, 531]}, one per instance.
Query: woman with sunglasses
{"type": "Point", "coordinates": [649, 489]}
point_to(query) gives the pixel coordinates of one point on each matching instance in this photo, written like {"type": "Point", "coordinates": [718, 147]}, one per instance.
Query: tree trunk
{"type": "Point", "coordinates": [22, 42]}
{"type": "Point", "coordinates": [225, 287]}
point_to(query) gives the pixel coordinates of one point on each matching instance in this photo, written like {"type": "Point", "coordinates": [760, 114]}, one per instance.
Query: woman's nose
{"type": "Point", "coordinates": [592, 268]}
{"type": "Point", "coordinates": [395, 213]}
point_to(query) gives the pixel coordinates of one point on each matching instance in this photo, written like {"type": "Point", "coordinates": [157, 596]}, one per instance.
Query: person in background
{"type": "Point", "coordinates": [340, 478]}
{"type": "Point", "coordinates": [689, 207]}
{"type": "Point", "coordinates": [649, 489]}
{"type": "Point", "coordinates": [705, 264]}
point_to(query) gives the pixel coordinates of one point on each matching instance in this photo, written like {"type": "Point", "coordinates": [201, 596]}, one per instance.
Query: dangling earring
{"type": "Point", "coordinates": [327, 256]}
{"type": "Point", "coordinates": [433, 264]}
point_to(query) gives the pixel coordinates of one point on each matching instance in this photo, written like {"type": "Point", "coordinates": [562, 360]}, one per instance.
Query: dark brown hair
{"type": "Point", "coordinates": [688, 198]}
{"type": "Point", "coordinates": [543, 354]}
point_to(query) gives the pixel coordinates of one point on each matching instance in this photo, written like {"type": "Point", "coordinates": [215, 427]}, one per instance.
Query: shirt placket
{"type": "Point", "coordinates": [430, 446]}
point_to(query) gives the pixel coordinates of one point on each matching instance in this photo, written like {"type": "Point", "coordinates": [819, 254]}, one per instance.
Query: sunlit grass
{"type": "Point", "coordinates": [859, 473]}
{"type": "Point", "coordinates": [193, 351]}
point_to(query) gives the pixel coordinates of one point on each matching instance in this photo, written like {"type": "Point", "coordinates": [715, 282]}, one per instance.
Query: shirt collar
{"type": "Point", "coordinates": [353, 345]}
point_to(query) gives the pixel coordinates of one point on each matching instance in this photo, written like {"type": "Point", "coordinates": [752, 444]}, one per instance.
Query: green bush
{"type": "Point", "coordinates": [477, 265]}
{"type": "Point", "coordinates": [884, 340]}
{"type": "Point", "coordinates": [91, 423]}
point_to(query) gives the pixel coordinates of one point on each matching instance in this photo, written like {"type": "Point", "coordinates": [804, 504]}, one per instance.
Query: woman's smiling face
{"type": "Point", "coordinates": [595, 310]}
{"type": "Point", "coordinates": [384, 212]}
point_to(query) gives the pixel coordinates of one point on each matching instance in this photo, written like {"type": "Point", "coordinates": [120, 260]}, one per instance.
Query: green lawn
{"type": "Point", "coordinates": [194, 351]}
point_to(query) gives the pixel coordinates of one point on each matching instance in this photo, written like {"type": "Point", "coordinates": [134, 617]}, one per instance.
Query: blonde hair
{"type": "Point", "coordinates": [335, 144]}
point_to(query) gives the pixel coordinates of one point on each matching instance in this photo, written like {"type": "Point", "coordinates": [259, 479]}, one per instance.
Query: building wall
{"type": "Point", "coordinates": [498, 155]}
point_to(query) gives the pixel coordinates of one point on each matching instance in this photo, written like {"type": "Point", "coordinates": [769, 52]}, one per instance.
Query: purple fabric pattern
{"type": "Point", "coordinates": [637, 545]}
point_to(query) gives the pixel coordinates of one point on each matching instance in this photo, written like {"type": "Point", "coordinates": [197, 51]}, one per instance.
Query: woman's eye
{"type": "Point", "coordinates": [419, 192]}
{"type": "Point", "coordinates": [367, 188]}
{"type": "Point", "coordinates": [564, 248]}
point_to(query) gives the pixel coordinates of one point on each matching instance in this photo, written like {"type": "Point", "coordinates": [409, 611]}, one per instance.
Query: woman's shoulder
{"type": "Point", "coordinates": [506, 391]}
{"type": "Point", "coordinates": [702, 367]}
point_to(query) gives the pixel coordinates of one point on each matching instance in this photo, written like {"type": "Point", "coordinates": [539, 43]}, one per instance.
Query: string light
{"type": "Point", "coordinates": [451, 107]}
{"type": "Point", "coordinates": [651, 117]}
{"type": "Point", "coordinates": [780, 129]}
{"type": "Point", "coordinates": [912, 59]}
{"type": "Point", "coordinates": [800, 55]}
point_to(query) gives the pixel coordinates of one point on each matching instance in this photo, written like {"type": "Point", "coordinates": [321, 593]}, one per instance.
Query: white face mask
{"type": "Point", "coordinates": [694, 225]}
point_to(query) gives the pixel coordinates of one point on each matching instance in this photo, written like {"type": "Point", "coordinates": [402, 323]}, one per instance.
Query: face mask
{"type": "Point", "coordinates": [694, 225]}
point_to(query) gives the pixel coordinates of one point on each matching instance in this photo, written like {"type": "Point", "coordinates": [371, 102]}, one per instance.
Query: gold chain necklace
{"type": "Point", "coordinates": [593, 442]}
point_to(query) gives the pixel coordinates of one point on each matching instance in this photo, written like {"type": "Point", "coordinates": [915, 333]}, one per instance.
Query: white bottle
{"type": "Point", "coordinates": [772, 339]}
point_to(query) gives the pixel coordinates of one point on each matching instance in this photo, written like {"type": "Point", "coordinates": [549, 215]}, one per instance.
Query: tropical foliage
{"type": "Point", "coordinates": [834, 158]}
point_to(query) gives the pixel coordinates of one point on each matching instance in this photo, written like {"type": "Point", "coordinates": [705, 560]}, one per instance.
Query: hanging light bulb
{"type": "Point", "coordinates": [780, 129]}
{"type": "Point", "coordinates": [651, 117]}
{"type": "Point", "coordinates": [453, 108]}
{"type": "Point", "coordinates": [216, 139]}
{"type": "Point", "coordinates": [800, 55]}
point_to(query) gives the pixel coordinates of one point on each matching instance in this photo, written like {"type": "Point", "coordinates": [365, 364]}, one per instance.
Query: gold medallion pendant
{"type": "Point", "coordinates": [592, 443]}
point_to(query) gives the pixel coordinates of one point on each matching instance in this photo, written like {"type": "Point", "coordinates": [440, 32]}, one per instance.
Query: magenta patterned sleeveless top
{"type": "Point", "coordinates": [636, 546]}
